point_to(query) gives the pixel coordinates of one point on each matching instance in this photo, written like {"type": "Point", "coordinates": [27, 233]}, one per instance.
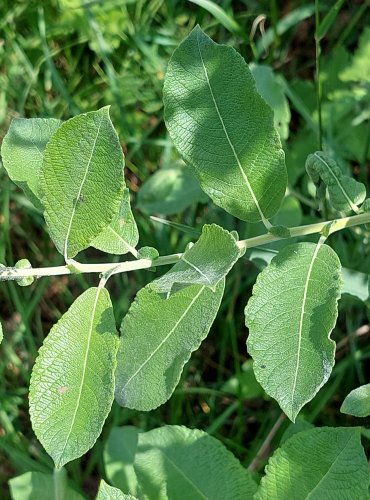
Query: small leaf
{"type": "Point", "coordinates": [150, 253]}
{"type": "Point", "coordinates": [38, 486]}
{"type": "Point", "coordinates": [72, 383]}
{"type": "Point", "coordinates": [357, 403]}
{"type": "Point", "coordinates": [24, 264]}
{"type": "Point", "coordinates": [121, 236]}
{"type": "Point", "coordinates": [290, 316]}
{"type": "Point", "coordinates": [173, 462]}
{"type": "Point", "coordinates": [345, 193]}
{"type": "Point", "coordinates": [22, 152]}
{"type": "Point", "coordinates": [223, 128]}
{"type": "Point", "coordinates": [280, 231]}
{"type": "Point", "coordinates": [81, 180]}
{"type": "Point", "coordinates": [321, 463]}
{"type": "Point", "coordinates": [107, 492]}
{"type": "Point", "coordinates": [158, 337]}
{"type": "Point", "coordinates": [205, 263]}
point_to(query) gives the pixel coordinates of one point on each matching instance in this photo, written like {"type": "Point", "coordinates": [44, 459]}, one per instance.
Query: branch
{"type": "Point", "coordinates": [10, 273]}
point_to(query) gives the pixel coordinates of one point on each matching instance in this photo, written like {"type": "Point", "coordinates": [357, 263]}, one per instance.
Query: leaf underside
{"type": "Point", "coordinates": [72, 383]}
{"type": "Point", "coordinates": [158, 337]}
{"type": "Point", "coordinates": [223, 128]}
{"type": "Point", "coordinates": [290, 316]}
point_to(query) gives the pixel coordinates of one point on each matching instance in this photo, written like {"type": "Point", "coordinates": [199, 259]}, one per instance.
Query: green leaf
{"type": "Point", "coordinates": [107, 492]}
{"type": "Point", "coordinates": [158, 337]}
{"type": "Point", "coordinates": [22, 152]}
{"type": "Point", "coordinates": [24, 264]}
{"type": "Point", "coordinates": [121, 236]}
{"type": "Point", "coordinates": [72, 383]}
{"type": "Point", "coordinates": [345, 193]}
{"type": "Point", "coordinates": [355, 283]}
{"type": "Point", "coordinates": [205, 263]}
{"type": "Point", "coordinates": [244, 384]}
{"type": "Point", "coordinates": [81, 180]}
{"type": "Point", "coordinates": [1, 333]}
{"type": "Point", "coordinates": [272, 90]}
{"type": "Point", "coordinates": [290, 316]}
{"type": "Point", "coordinates": [357, 402]}
{"type": "Point", "coordinates": [218, 13]}
{"type": "Point", "coordinates": [38, 486]}
{"type": "Point", "coordinates": [300, 425]}
{"type": "Point", "coordinates": [148, 253]}
{"type": "Point", "coordinates": [169, 191]}
{"type": "Point", "coordinates": [319, 464]}
{"type": "Point", "coordinates": [173, 462]}
{"type": "Point", "coordinates": [223, 128]}
{"type": "Point", "coordinates": [359, 68]}
{"type": "Point", "coordinates": [328, 20]}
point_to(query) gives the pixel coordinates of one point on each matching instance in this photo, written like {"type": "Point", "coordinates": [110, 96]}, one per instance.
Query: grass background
{"type": "Point", "coordinates": [60, 58]}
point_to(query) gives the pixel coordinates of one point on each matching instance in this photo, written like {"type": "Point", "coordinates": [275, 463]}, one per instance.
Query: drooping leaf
{"type": "Point", "coordinates": [169, 191]}
{"type": "Point", "coordinates": [321, 463]}
{"type": "Point", "coordinates": [107, 492]}
{"type": "Point", "coordinates": [22, 152]}
{"type": "Point", "coordinates": [205, 263]}
{"type": "Point", "coordinates": [345, 193]}
{"type": "Point", "coordinates": [121, 236]}
{"type": "Point", "coordinates": [290, 316]}
{"type": "Point", "coordinates": [271, 89]}
{"type": "Point", "coordinates": [158, 337]}
{"type": "Point", "coordinates": [72, 383]}
{"type": "Point", "coordinates": [177, 463]}
{"type": "Point", "coordinates": [81, 180]}
{"type": "Point", "coordinates": [357, 402]}
{"type": "Point", "coordinates": [223, 128]}
{"type": "Point", "coordinates": [38, 486]}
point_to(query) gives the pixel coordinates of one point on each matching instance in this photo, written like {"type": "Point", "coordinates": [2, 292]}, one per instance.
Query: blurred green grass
{"type": "Point", "coordinates": [59, 58]}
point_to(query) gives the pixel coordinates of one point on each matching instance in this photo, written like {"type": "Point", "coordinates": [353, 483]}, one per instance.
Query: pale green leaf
{"type": "Point", "coordinates": [24, 264]}
{"type": "Point", "coordinates": [107, 492]}
{"type": "Point", "coordinates": [218, 12]}
{"type": "Point", "coordinates": [148, 253]}
{"type": "Point", "coordinates": [176, 463]}
{"type": "Point", "coordinates": [223, 128]}
{"type": "Point", "coordinates": [22, 152]}
{"type": "Point", "coordinates": [357, 402]}
{"type": "Point", "coordinates": [72, 383]}
{"type": "Point", "coordinates": [358, 70]}
{"type": "Point", "coordinates": [272, 90]}
{"type": "Point", "coordinates": [38, 486]}
{"type": "Point", "coordinates": [169, 191]}
{"type": "Point", "coordinates": [121, 236]}
{"type": "Point", "coordinates": [158, 337]}
{"type": "Point", "coordinates": [290, 316]}
{"type": "Point", "coordinates": [345, 193]}
{"type": "Point", "coordinates": [319, 464]}
{"type": "Point", "coordinates": [1, 333]}
{"type": "Point", "coordinates": [205, 263]}
{"type": "Point", "coordinates": [81, 180]}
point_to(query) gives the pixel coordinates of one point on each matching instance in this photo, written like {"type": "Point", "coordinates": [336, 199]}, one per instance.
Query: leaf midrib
{"type": "Point", "coordinates": [84, 368]}
{"type": "Point", "coordinates": [164, 340]}
{"type": "Point", "coordinates": [80, 190]}
{"type": "Point", "coordinates": [246, 180]}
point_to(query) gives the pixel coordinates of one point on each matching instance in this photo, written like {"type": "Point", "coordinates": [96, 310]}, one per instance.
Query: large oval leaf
{"type": "Point", "coordinates": [223, 128]}
{"type": "Point", "coordinates": [318, 464]}
{"type": "Point", "coordinates": [158, 337]}
{"type": "Point", "coordinates": [22, 152]}
{"type": "Point", "coordinates": [81, 180]}
{"type": "Point", "coordinates": [175, 463]}
{"type": "Point", "coordinates": [72, 383]}
{"type": "Point", "coordinates": [290, 316]}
